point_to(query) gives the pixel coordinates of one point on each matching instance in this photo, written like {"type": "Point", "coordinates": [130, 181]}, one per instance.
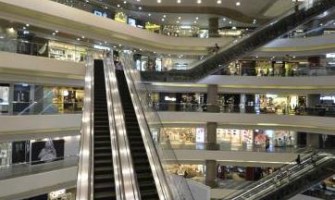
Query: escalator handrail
{"type": "Point", "coordinates": [299, 174]}
{"type": "Point", "coordinates": [128, 65]}
{"type": "Point", "coordinates": [196, 74]}
{"type": "Point", "coordinates": [156, 167]}
{"type": "Point", "coordinates": [294, 171]}
{"type": "Point", "coordinates": [269, 178]}
{"type": "Point", "coordinates": [85, 167]}
{"type": "Point", "coordinates": [125, 168]}
{"type": "Point", "coordinates": [118, 179]}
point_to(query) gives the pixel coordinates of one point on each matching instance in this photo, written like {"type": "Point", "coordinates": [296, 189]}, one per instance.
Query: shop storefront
{"type": "Point", "coordinates": [66, 52]}
{"type": "Point", "coordinates": [4, 98]}
{"type": "Point", "coordinates": [274, 138]}
{"type": "Point", "coordinates": [234, 139]}
{"type": "Point", "coordinates": [280, 104]}
{"type": "Point", "coordinates": [5, 154]}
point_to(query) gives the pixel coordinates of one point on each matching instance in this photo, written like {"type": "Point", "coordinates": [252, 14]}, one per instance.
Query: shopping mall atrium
{"type": "Point", "coordinates": [167, 99]}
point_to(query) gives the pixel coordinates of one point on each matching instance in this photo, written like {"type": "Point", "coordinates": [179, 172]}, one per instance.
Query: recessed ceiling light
{"type": "Point", "coordinates": [163, 19]}
{"type": "Point", "coordinates": [140, 8]}
{"type": "Point", "coordinates": [197, 18]}
{"type": "Point", "coordinates": [218, 1]}
{"type": "Point", "coordinates": [27, 25]}
{"type": "Point", "coordinates": [149, 14]}
{"type": "Point", "coordinates": [118, 5]}
{"type": "Point", "coordinates": [178, 1]}
{"type": "Point", "coordinates": [238, 3]}
{"type": "Point", "coordinates": [198, 1]}
{"type": "Point", "coordinates": [124, 2]}
{"type": "Point", "coordinates": [224, 19]}
{"type": "Point", "coordinates": [159, 1]}
{"type": "Point", "coordinates": [164, 16]}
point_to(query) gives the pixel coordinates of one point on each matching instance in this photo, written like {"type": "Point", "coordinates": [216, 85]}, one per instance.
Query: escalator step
{"type": "Point", "coordinates": [105, 196]}
{"type": "Point", "coordinates": [104, 177]}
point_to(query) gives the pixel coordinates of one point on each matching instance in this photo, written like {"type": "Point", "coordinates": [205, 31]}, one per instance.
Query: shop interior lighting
{"type": "Point", "coordinates": [149, 14]}
{"type": "Point", "coordinates": [118, 5]}
{"type": "Point", "coordinates": [178, 1]}
{"type": "Point", "coordinates": [125, 2]}
{"type": "Point", "coordinates": [198, 1]}
{"type": "Point", "coordinates": [159, 1]}
{"type": "Point", "coordinates": [238, 3]}
{"type": "Point", "coordinates": [140, 8]}
{"type": "Point", "coordinates": [27, 25]}
{"type": "Point", "coordinates": [219, 2]}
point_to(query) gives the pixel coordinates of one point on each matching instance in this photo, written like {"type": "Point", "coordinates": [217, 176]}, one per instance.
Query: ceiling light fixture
{"type": "Point", "coordinates": [219, 2]}
{"type": "Point", "coordinates": [124, 2]}
{"type": "Point", "coordinates": [140, 8]}
{"type": "Point", "coordinates": [178, 1]}
{"type": "Point", "coordinates": [238, 3]}
{"type": "Point", "coordinates": [149, 14]}
{"type": "Point", "coordinates": [198, 1]}
{"type": "Point", "coordinates": [159, 1]}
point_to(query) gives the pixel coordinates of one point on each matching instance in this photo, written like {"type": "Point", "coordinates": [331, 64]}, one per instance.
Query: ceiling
{"type": "Point", "coordinates": [248, 13]}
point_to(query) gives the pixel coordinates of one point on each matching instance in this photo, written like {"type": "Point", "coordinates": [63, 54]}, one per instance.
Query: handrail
{"type": "Point", "coordinates": [157, 169]}
{"type": "Point", "coordinates": [130, 185]}
{"type": "Point", "coordinates": [237, 48]}
{"type": "Point", "coordinates": [181, 189]}
{"type": "Point", "coordinates": [85, 168]}
{"type": "Point", "coordinates": [116, 154]}
{"type": "Point", "coordinates": [287, 173]}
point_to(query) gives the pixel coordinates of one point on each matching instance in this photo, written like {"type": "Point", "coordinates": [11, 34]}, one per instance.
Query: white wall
{"type": "Point", "coordinates": [71, 145]}
{"type": "Point", "coordinates": [39, 122]}
{"type": "Point", "coordinates": [29, 183]}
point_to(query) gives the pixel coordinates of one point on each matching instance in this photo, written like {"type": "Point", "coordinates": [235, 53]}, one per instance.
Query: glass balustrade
{"type": "Point", "coordinates": [33, 167]}
{"type": "Point", "coordinates": [50, 49]}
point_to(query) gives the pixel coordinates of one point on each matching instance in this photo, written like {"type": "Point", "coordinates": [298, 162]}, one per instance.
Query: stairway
{"type": "Point", "coordinates": [255, 40]}
{"type": "Point", "coordinates": [104, 188]}
{"type": "Point", "coordinates": [141, 163]}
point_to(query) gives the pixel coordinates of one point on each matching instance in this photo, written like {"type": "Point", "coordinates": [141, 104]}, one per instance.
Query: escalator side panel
{"type": "Point", "coordinates": [145, 180]}
{"type": "Point", "coordinates": [104, 184]}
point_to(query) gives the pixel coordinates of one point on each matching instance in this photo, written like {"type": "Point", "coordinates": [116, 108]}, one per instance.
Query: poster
{"type": "Point", "coordinates": [47, 151]}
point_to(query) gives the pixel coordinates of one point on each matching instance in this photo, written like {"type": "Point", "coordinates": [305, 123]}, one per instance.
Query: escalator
{"type": "Point", "coordinates": [289, 181]}
{"type": "Point", "coordinates": [143, 172]}
{"type": "Point", "coordinates": [103, 185]}
{"type": "Point", "coordinates": [260, 37]}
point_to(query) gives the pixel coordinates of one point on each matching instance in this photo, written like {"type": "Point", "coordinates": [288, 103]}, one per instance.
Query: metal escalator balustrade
{"type": "Point", "coordinates": [139, 156]}
{"type": "Point", "coordinates": [290, 180]}
{"type": "Point", "coordinates": [169, 185]}
{"type": "Point", "coordinates": [260, 37]}
{"type": "Point", "coordinates": [104, 185]}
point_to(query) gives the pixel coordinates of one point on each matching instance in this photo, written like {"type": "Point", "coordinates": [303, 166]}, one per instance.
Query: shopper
{"type": "Point", "coordinates": [298, 160]}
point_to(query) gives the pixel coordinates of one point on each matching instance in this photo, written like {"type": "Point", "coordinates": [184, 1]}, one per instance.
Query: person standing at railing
{"type": "Point", "coordinates": [298, 160]}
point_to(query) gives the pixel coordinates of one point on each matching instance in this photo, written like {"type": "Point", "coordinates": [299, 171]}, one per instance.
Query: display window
{"type": "Point", "coordinates": [4, 98]}
{"type": "Point", "coordinates": [5, 154]}
{"type": "Point", "coordinates": [65, 99]}
{"type": "Point", "coordinates": [234, 138]}
{"type": "Point", "coordinates": [67, 52]}
{"type": "Point", "coordinates": [272, 103]}
{"type": "Point", "coordinates": [195, 172]}
{"type": "Point", "coordinates": [63, 194]}
{"type": "Point", "coordinates": [179, 135]}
